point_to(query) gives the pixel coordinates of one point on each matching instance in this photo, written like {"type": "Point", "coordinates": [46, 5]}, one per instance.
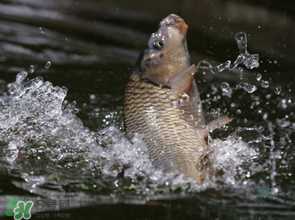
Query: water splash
{"type": "Point", "coordinates": [226, 89]}
{"type": "Point", "coordinates": [244, 59]}
{"type": "Point", "coordinates": [47, 142]}
{"type": "Point", "coordinates": [229, 156]}
{"type": "Point", "coordinates": [270, 109]}
{"type": "Point", "coordinates": [273, 159]}
{"type": "Point", "coordinates": [250, 88]}
{"type": "Point", "coordinates": [48, 146]}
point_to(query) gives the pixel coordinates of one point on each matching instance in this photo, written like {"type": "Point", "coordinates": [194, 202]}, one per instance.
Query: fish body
{"type": "Point", "coordinates": [162, 104]}
{"type": "Point", "coordinates": [173, 141]}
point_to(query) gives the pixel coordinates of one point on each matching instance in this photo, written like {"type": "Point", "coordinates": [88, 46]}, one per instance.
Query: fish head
{"type": "Point", "coordinates": [167, 53]}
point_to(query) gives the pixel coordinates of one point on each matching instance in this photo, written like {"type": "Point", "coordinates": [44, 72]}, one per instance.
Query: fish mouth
{"type": "Point", "coordinates": [171, 27]}
{"type": "Point", "coordinates": [176, 21]}
{"type": "Point", "coordinates": [167, 51]}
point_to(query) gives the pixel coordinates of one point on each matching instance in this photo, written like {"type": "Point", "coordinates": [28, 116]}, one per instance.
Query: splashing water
{"type": "Point", "coordinates": [46, 143]}
{"type": "Point", "coordinates": [38, 125]}
{"type": "Point", "coordinates": [250, 61]}
{"type": "Point", "coordinates": [229, 156]}
{"type": "Point", "coordinates": [265, 117]}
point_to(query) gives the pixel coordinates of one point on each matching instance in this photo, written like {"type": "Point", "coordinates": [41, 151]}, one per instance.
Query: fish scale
{"type": "Point", "coordinates": [173, 142]}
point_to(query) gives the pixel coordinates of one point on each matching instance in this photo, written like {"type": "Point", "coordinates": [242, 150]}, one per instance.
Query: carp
{"type": "Point", "coordinates": [162, 103]}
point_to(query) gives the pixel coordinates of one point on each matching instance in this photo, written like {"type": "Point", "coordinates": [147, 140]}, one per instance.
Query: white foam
{"type": "Point", "coordinates": [37, 122]}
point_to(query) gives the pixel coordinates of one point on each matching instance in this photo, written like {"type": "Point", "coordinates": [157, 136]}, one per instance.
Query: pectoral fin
{"type": "Point", "coordinates": [182, 82]}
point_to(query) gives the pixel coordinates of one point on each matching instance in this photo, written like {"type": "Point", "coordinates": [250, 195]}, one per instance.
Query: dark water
{"type": "Point", "coordinates": [62, 143]}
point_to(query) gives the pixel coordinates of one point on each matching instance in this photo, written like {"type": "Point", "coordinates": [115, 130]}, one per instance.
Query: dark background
{"type": "Point", "coordinates": [93, 45]}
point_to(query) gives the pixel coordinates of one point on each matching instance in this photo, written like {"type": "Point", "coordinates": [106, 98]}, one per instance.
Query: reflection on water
{"type": "Point", "coordinates": [62, 142]}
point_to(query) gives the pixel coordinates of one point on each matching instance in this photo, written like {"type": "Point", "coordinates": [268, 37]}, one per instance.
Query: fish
{"type": "Point", "coordinates": [162, 104]}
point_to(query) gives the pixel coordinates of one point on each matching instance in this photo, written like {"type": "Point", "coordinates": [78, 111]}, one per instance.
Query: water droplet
{"type": "Point", "coordinates": [283, 104]}
{"type": "Point", "coordinates": [233, 105]}
{"type": "Point", "coordinates": [277, 90]}
{"type": "Point", "coordinates": [47, 64]}
{"type": "Point", "coordinates": [32, 69]}
{"type": "Point", "coordinates": [258, 77]}
{"type": "Point", "coordinates": [226, 89]}
{"type": "Point", "coordinates": [265, 116]}
{"type": "Point", "coordinates": [224, 66]}
{"type": "Point", "coordinates": [264, 84]}
{"type": "Point", "coordinates": [41, 29]}
{"type": "Point", "coordinates": [20, 77]}
{"type": "Point", "coordinates": [275, 190]}
{"type": "Point", "coordinates": [248, 87]}
{"type": "Point", "coordinates": [92, 96]}
{"type": "Point", "coordinates": [251, 61]}
{"type": "Point", "coordinates": [241, 39]}
{"type": "Point", "coordinates": [248, 174]}
{"type": "Point", "coordinates": [205, 66]}
{"type": "Point", "coordinates": [268, 96]}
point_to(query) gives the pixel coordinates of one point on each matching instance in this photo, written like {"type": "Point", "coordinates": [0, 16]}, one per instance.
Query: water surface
{"type": "Point", "coordinates": [63, 69]}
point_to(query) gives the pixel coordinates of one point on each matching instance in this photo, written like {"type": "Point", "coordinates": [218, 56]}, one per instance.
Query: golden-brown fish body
{"type": "Point", "coordinates": [173, 141]}
{"type": "Point", "coordinates": [162, 104]}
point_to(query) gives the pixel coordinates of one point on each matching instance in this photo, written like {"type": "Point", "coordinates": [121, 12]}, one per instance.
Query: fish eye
{"type": "Point", "coordinates": [158, 44]}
